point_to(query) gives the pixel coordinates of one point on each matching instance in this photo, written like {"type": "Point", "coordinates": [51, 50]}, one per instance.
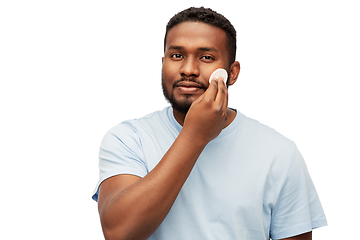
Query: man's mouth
{"type": "Point", "coordinates": [189, 87]}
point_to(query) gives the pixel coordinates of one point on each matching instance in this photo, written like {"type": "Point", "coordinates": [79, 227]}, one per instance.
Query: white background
{"type": "Point", "coordinates": [70, 70]}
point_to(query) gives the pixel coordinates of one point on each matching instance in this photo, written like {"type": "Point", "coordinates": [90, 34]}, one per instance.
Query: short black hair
{"type": "Point", "coordinates": [206, 15]}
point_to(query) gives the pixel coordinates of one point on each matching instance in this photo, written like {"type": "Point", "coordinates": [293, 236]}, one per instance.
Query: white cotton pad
{"type": "Point", "coordinates": [220, 72]}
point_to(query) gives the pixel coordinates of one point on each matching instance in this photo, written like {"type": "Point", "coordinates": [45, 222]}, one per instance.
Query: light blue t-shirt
{"type": "Point", "coordinates": [249, 183]}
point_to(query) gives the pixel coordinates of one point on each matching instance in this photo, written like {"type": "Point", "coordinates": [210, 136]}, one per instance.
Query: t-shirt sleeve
{"type": "Point", "coordinates": [298, 209]}
{"type": "Point", "coordinates": [120, 153]}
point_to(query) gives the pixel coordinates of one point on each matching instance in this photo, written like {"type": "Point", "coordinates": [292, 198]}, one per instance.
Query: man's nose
{"type": "Point", "coordinates": [190, 68]}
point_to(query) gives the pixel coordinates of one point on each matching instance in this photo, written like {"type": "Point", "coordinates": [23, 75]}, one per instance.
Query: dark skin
{"type": "Point", "coordinates": [193, 50]}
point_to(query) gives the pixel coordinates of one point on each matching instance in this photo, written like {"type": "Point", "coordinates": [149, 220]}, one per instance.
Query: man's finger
{"type": "Point", "coordinates": [212, 90]}
{"type": "Point", "coordinates": [221, 97]}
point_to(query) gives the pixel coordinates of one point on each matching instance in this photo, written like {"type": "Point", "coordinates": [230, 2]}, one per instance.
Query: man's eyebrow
{"type": "Point", "coordinates": [208, 49]}
{"type": "Point", "coordinates": [176, 47]}
{"type": "Point", "coordinates": [202, 49]}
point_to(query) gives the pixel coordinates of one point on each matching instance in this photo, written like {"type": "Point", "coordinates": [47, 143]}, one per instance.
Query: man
{"type": "Point", "coordinates": [198, 169]}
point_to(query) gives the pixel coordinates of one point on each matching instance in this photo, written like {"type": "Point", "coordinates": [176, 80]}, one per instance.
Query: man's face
{"type": "Point", "coordinates": [193, 51]}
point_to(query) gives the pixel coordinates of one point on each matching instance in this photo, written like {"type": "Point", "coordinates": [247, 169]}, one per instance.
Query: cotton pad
{"type": "Point", "coordinates": [220, 72]}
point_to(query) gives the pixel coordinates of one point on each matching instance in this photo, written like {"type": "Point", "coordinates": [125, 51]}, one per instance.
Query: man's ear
{"type": "Point", "coordinates": [234, 72]}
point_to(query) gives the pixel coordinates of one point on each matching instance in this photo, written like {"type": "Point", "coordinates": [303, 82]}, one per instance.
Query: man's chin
{"type": "Point", "coordinates": [180, 103]}
{"type": "Point", "coordinates": [182, 107]}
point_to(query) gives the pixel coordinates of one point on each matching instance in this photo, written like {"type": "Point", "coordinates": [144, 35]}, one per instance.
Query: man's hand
{"type": "Point", "coordinates": [208, 114]}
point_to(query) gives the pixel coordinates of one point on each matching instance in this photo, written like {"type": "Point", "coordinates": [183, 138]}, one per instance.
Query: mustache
{"type": "Point", "coordinates": [185, 79]}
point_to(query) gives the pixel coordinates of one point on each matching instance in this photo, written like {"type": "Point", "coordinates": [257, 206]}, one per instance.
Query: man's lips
{"type": "Point", "coordinates": [189, 86]}
{"type": "Point", "coordinates": [188, 90]}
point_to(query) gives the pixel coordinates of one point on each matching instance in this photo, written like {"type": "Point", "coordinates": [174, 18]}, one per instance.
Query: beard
{"type": "Point", "coordinates": [184, 105]}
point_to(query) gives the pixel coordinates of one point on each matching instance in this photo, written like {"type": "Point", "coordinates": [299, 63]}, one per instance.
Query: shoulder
{"type": "Point", "coordinates": [265, 135]}
{"type": "Point", "coordinates": [135, 132]}
{"type": "Point", "coordinates": [132, 126]}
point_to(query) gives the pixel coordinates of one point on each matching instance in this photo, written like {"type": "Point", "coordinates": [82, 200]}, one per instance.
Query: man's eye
{"type": "Point", "coordinates": [207, 58]}
{"type": "Point", "coordinates": [176, 56]}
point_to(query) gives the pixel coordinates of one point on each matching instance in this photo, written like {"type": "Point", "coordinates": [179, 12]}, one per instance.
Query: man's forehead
{"type": "Point", "coordinates": [202, 36]}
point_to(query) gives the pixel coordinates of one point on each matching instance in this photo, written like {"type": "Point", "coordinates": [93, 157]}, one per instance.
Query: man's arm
{"type": "Point", "coordinates": [131, 207]}
{"type": "Point", "coordinates": [305, 236]}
